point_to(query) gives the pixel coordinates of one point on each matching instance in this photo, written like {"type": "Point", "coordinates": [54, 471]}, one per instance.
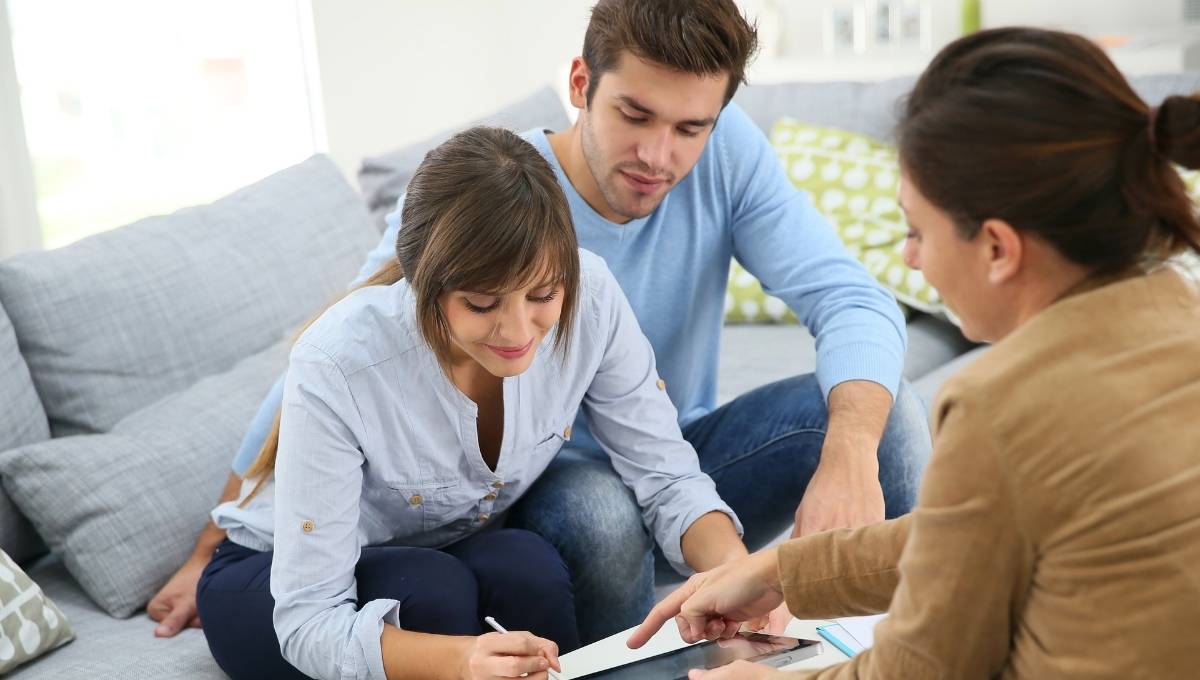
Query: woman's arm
{"type": "Point", "coordinates": [711, 541]}
{"type": "Point", "coordinates": [965, 569]}
{"type": "Point", "coordinates": [322, 629]}
{"type": "Point", "coordinates": [420, 656]}
{"type": "Point", "coordinates": [635, 422]}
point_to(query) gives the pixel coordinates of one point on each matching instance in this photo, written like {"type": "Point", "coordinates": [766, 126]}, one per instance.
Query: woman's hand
{"type": "Point", "coordinates": [775, 623]}
{"type": "Point", "coordinates": [714, 604]}
{"type": "Point", "coordinates": [510, 655]}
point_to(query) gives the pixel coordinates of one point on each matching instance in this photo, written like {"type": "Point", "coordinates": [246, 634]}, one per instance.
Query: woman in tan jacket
{"type": "Point", "coordinates": [1057, 533]}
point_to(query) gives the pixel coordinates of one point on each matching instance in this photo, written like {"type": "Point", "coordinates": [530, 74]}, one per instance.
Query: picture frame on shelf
{"type": "Point", "coordinates": [845, 28]}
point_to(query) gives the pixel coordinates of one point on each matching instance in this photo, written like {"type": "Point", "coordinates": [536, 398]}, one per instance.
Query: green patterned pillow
{"type": "Point", "coordinates": [30, 624]}
{"type": "Point", "coordinates": [853, 180]}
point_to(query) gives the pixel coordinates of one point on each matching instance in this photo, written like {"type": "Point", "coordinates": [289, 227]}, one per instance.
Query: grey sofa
{"type": "Point", "coordinates": [131, 363]}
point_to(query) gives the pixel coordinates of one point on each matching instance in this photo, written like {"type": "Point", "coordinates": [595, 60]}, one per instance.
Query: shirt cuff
{"type": "Point", "coordinates": [859, 361]}
{"type": "Point", "coordinates": [368, 627]}
{"type": "Point", "coordinates": [673, 550]}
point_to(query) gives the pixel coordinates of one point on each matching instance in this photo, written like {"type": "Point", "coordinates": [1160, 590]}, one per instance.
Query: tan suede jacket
{"type": "Point", "coordinates": [1057, 532]}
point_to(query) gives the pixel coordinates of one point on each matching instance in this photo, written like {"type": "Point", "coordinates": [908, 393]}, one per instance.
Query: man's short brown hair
{"type": "Point", "coordinates": [702, 37]}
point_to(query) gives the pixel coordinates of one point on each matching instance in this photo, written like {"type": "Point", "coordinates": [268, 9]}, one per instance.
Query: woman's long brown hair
{"type": "Point", "coordinates": [484, 212]}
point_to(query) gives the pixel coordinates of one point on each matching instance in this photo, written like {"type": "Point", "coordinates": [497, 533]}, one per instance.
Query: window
{"type": "Point", "coordinates": [139, 107]}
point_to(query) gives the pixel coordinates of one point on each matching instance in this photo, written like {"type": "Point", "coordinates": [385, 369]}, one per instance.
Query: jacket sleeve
{"type": "Point", "coordinates": [963, 570]}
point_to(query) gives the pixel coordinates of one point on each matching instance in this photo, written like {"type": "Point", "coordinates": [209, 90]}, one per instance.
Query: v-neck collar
{"type": "Point", "coordinates": [578, 203]}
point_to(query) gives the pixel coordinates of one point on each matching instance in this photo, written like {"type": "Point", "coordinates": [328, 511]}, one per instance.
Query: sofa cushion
{"type": "Point", "coordinates": [384, 178]}
{"type": "Point", "coordinates": [30, 624]}
{"type": "Point", "coordinates": [868, 108]}
{"type": "Point", "coordinates": [123, 509]}
{"type": "Point", "coordinates": [871, 108]}
{"type": "Point", "coordinates": [108, 649]}
{"type": "Point", "coordinates": [22, 421]}
{"type": "Point", "coordinates": [117, 321]}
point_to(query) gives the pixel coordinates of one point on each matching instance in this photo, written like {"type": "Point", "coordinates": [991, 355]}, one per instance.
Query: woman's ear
{"type": "Point", "coordinates": [1004, 250]}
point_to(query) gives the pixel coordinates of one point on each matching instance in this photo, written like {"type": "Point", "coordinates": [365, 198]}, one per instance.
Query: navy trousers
{"type": "Point", "coordinates": [511, 574]}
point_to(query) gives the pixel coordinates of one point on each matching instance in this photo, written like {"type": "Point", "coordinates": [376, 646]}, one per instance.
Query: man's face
{"type": "Point", "coordinates": [645, 129]}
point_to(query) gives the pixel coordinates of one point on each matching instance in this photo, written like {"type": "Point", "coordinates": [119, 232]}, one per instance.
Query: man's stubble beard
{"type": "Point", "coordinates": [605, 177]}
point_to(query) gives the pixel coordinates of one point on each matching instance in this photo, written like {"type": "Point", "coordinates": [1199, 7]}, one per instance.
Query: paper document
{"type": "Point", "coordinates": [862, 628]}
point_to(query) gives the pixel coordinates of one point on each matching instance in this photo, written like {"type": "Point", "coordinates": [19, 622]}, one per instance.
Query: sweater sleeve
{"type": "Point", "coordinates": [963, 569]}
{"type": "Point", "coordinates": [781, 238]}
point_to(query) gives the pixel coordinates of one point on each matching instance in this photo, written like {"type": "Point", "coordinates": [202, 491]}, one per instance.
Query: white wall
{"type": "Point", "coordinates": [19, 228]}
{"type": "Point", "coordinates": [393, 73]}
{"type": "Point", "coordinates": [1088, 16]}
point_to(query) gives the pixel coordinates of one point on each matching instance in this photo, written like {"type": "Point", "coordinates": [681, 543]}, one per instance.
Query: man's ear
{"type": "Point", "coordinates": [577, 83]}
{"type": "Point", "coordinates": [1004, 250]}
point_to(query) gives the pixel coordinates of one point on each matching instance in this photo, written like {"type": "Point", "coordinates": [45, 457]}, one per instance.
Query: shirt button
{"type": "Point", "coordinates": [497, 484]}
{"type": "Point", "coordinates": [307, 525]}
{"type": "Point", "coordinates": [567, 433]}
{"type": "Point", "coordinates": [490, 496]}
{"type": "Point", "coordinates": [484, 517]}
{"type": "Point", "coordinates": [415, 500]}
{"type": "Point", "coordinates": [662, 384]}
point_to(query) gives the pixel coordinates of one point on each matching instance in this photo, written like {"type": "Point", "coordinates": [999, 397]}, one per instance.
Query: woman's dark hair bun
{"type": "Point", "coordinates": [1177, 130]}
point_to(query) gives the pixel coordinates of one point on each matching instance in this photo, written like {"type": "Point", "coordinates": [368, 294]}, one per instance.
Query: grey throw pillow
{"type": "Point", "coordinates": [22, 421]}
{"type": "Point", "coordinates": [30, 624]}
{"type": "Point", "coordinates": [123, 509]}
{"type": "Point", "coordinates": [117, 321]}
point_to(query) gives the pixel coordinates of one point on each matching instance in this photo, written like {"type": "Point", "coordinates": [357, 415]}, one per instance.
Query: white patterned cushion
{"type": "Point", "coordinates": [30, 624]}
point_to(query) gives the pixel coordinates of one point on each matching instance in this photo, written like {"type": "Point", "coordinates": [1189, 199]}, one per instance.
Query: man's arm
{"type": "Point", "coordinates": [845, 490]}
{"type": "Point", "coordinates": [174, 607]}
{"type": "Point", "coordinates": [781, 238]}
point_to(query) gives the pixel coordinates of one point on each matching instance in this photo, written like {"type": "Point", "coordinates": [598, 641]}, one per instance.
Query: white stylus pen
{"type": "Point", "coordinates": [500, 629]}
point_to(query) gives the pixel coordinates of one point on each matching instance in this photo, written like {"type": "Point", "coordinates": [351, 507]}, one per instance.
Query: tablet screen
{"type": "Point", "coordinates": [771, 649]}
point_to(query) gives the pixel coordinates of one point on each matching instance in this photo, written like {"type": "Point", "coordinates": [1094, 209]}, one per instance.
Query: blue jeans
{"type": "Point", "coordinates": [512, 575]}
{"type": "Point", "coordinates": [760, 449]}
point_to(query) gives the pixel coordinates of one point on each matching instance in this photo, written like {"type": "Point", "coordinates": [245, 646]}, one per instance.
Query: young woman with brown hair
{"type": "Point", "coordinates": [1057, 530]}
{"type": "Point", "coordinates": [416, 411]}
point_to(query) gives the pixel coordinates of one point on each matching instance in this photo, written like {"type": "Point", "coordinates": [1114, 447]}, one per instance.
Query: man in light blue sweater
{"type": "Point", "coordinates": [667, 180]}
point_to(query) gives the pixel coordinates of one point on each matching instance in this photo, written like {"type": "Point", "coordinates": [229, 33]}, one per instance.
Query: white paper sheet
{"type": "Point", "coordinates": [862, 628]}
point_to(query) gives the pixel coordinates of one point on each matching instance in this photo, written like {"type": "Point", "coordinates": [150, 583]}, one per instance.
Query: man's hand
{"type": "Point", "coordinates": [843, 492]}
{"type": "Point", "coordinates": [738, 670]}
{"type": "Point", "coordinates": [174, 607]}
{"type": "Point", "coordinates": [714, 604]}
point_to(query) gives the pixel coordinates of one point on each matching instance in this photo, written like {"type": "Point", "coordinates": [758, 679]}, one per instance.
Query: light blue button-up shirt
{"type": "Point", "coordinates": [377, 446]}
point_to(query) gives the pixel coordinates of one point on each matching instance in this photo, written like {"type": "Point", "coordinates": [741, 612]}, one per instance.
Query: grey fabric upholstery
{"type": "Point", "coordinates": [755, 355]}
{"type": "Point", "coordinates": [117, 321]}
{"type": "Point", "coordinates": [22, 421]}
{"type": "Point", "coordinates": [110, 649]}
{"type": "Point", "coordinates": [865, 108]}
{"type": "Point", "coordinates": [123, 509]}
{"type": "Point", "coordinates": [872, 108]}
{"type": "Point", "coordinates": [928, 385]}
{"type": "Point", "coordinates": [384, 178]}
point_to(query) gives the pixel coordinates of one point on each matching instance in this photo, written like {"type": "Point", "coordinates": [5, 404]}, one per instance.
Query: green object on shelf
{"type": "Point", "coordinates": [972, 16]}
